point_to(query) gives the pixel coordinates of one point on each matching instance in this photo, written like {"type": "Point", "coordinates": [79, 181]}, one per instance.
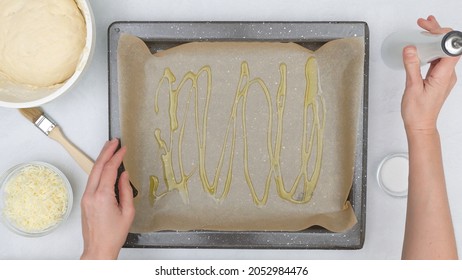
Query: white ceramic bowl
{"type": "Point", "coordinates": [49, 201]}
{"type": "Point", "coordinates": [14, 95]}
{"type": "Point", "coordinates": [393, 173]}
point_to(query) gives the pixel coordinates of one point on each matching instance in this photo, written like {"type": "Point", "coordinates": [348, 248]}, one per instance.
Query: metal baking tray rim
{"type": "Point", "coordinates": [315, 33]}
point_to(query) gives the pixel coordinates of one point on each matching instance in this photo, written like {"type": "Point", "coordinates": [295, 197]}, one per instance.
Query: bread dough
{"type": "Point", "coordinates": [41, 41]}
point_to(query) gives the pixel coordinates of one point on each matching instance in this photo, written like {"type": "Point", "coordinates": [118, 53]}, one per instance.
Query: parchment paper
{"type": "Point", "coordinates": [340, 65]}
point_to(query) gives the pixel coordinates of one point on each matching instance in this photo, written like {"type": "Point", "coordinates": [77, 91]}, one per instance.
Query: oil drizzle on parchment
{"type": "Point", "coordinates": [313, 131]}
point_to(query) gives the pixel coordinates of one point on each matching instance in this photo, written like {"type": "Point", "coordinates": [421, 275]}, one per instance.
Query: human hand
{"type": "Point", "coordinates": [423, 98]}
{"type": "Point", "coordinates": [105, 223]}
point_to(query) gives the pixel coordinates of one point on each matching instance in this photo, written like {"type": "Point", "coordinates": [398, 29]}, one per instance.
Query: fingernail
{"type": "Point", "coordinates": [410, 51]}
{"type": "Point", "coordinates": [110, 142]}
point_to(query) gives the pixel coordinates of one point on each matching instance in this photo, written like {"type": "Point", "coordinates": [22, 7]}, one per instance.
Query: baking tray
{"type": "Point", "coordinates": [164, 35]}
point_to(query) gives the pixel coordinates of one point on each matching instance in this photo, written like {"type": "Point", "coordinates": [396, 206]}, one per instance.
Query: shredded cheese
{"type": "Point", "coordinates": [35, 198]}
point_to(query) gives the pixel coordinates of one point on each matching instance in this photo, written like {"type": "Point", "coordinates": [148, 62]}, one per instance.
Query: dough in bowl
{"type": "Point", "coordinates": [41, 41]}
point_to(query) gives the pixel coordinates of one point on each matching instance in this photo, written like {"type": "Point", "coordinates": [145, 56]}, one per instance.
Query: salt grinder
{"type": "Point", "coordinates": [429, 46]}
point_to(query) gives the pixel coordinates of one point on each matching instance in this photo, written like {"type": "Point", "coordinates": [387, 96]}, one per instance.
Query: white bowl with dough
{"type": "Point", "coordinates": [16, 95]}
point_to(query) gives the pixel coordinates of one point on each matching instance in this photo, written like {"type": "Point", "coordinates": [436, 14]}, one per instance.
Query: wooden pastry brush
{"type": "Point", "coordinates": [50, 128]}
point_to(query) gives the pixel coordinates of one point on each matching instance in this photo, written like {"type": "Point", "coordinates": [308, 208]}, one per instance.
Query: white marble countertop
{"type": "Point", "coordinates": [82, 113]}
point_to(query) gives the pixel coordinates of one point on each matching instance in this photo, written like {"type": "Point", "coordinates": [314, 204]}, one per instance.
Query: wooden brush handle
{"type": "Point", "coordinates": [82, 159]}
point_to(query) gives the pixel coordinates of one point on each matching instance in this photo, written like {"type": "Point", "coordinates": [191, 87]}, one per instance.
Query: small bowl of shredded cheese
{"type": "Point", "coordinates": [35, 198]}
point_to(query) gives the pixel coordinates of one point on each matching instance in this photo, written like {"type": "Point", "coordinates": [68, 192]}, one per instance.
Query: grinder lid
{"type": "Point", "coordinates": [452, 43]}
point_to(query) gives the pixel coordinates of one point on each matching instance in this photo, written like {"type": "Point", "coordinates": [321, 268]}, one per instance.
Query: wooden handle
{"type": "Point", "coordinates": [82, 159]}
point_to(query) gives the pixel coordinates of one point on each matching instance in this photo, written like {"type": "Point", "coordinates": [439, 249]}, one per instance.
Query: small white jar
{"type": "Point", "coordinates": [393, 174]}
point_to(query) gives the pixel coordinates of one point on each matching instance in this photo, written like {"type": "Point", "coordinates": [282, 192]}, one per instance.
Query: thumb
{"type": "Point", "coordinates": [412, 66]}
{"type": "Point", "coordinates": [126, 195]}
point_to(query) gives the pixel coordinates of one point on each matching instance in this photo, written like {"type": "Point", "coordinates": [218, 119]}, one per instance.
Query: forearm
{"type": "Point", "coordinates": [98, 255]}
{"type": "Point", "coordinates": [429, 232]}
